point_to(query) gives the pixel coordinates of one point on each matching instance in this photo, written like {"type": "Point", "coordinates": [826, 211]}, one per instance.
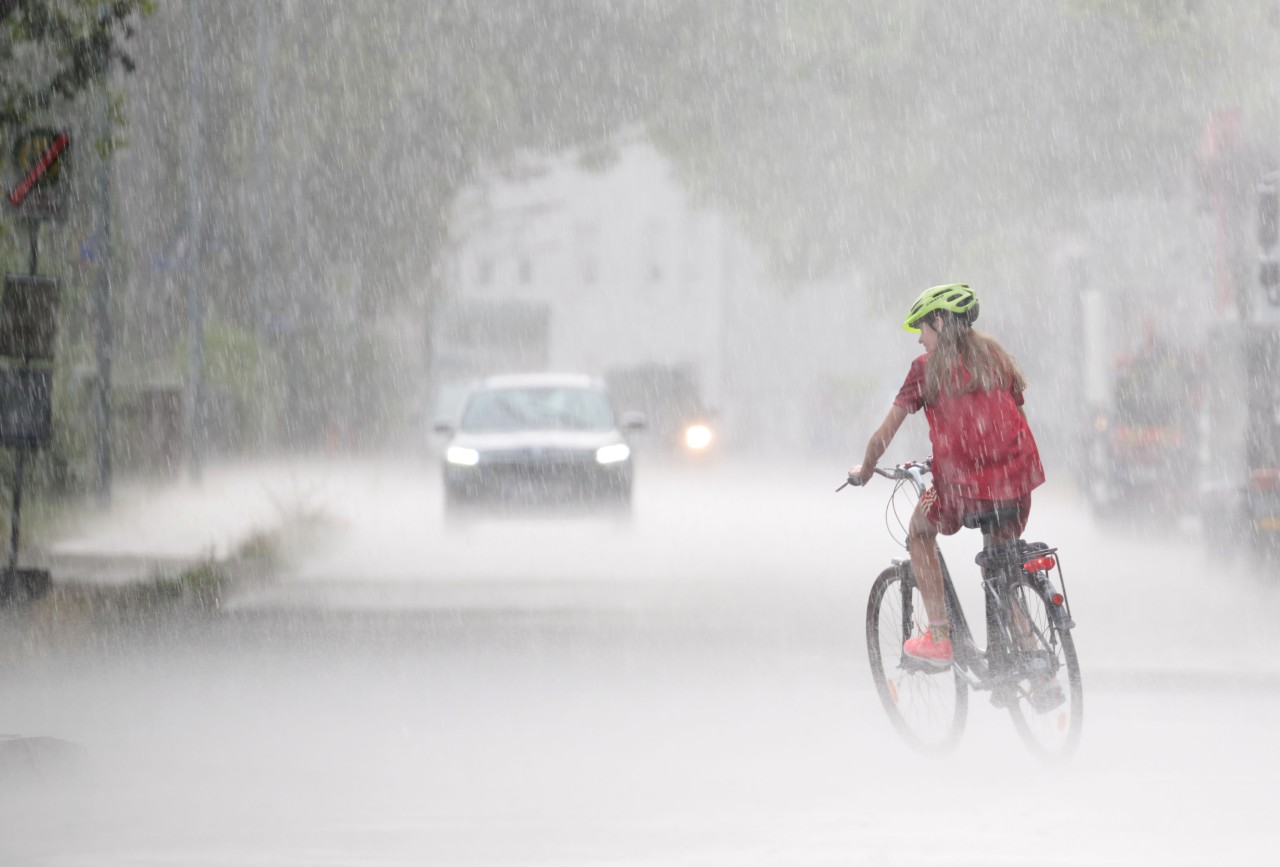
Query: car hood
{"type": "Point", "coordinates": [559, 440]}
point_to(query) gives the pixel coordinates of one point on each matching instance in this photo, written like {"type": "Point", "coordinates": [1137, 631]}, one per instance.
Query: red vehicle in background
{"type": "Point", "coordinates": [1142, 451]}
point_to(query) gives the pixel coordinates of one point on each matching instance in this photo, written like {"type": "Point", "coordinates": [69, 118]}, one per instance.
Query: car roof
{"type": "Point", "coordinates": [541, 380]}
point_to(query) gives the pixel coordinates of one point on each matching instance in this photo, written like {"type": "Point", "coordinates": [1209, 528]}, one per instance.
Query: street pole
{"type": "Point", "coordinates": [15, 516]}
{"type": "Point", "coordinates": [256, 207]}
{"type": "Point", "coordinates": [193, 399]}
{"type": "Point", "coordinates": [102, 333]}
{"type": "Point", "coordinates": [256, 203]}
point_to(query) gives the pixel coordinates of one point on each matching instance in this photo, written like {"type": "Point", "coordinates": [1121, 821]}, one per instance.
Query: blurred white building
{"type": "Point", "coordinates": [559, 266]}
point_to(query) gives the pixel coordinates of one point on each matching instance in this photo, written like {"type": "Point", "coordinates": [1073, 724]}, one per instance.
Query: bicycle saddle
{"type": "Point", "coordinates": [988, 521]}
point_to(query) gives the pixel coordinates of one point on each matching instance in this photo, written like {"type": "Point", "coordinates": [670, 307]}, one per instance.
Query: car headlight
{"type": "Point", "coordinates": [697, 437]}
{"type": "Point", "coordinates": [613, 454]}
{"type": "Point", "coordinates": [462, 457]}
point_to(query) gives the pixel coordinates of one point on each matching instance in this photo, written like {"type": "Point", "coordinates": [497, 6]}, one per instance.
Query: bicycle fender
{"type": "Point", "coordinates": [1061, 617]}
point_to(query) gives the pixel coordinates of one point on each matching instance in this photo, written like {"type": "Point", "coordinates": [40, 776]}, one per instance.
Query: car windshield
{"type": "Point", "coordinates": [514, 409]}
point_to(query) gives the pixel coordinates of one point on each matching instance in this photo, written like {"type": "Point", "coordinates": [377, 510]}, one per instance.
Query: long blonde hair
{"type": "Point", "coordinates": [989, 364]}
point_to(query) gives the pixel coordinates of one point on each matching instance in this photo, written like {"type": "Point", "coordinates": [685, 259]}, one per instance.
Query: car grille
{"type": "Point", "coordinates": [543, 476]}
{"type": "Point", "coordinates": [535, 457]}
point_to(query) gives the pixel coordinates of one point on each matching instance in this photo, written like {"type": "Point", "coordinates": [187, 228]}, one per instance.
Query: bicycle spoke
{"type": "Point", "coordinates": [926, 705]}
{"type": "Point", "coordinates": [1048, 700]}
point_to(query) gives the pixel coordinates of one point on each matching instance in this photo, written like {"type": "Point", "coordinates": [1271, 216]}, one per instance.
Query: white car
{"type": "Point", "coordinates": [536, 442]}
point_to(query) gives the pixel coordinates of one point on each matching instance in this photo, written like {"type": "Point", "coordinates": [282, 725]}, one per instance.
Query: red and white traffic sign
{"type": "Point", "coordinates": [38, 162]}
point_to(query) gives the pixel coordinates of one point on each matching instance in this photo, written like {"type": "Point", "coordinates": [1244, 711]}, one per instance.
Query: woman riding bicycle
{"type": "Point", "coordinates": [984, 455]}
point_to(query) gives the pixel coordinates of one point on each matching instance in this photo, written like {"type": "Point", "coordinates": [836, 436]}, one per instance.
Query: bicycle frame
{"type": "Point", "coordinates": [970, 658]}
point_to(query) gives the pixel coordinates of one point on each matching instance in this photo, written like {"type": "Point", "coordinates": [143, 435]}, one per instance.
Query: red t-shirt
{"type": "Point", "coordinates": [982, 446]}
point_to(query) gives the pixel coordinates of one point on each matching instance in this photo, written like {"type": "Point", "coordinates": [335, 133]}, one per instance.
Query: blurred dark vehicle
{"type": "Point", "coordinates": [1142, 453]}
{"type": "Point", "coordinates": [1262, 446]}
{"type": "Point", "coordinates": [537, 442]}
{"type": "Point", "coordinates": [678, 420]}
{"type": "Point", "coordinates": [1239, 496]}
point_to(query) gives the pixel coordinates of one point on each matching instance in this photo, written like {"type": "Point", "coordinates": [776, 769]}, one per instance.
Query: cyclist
{"type": "Point", "coordinates": [984, 455]}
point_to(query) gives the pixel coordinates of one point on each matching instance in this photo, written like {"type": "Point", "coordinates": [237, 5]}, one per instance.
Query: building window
{"type": "Point", "coordinates": [484, 270]}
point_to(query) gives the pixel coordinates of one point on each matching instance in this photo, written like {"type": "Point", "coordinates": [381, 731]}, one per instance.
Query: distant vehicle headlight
{"type": "Point", "coordinates": [697, 437]}
{"type": "Point", "coordinates": [462, 457]}
{"type": "Point", "coordinates": [613, 454]}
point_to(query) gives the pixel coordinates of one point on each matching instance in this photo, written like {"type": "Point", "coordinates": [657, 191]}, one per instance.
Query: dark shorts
{"type": "Point", "coordinates": [947, 512]}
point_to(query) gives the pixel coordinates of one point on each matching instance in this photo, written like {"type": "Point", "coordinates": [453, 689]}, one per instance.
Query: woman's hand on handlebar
{"type": "Point", "coordinates": [861, 474]}
{"type": "Point", "coordinates": [913, 470]}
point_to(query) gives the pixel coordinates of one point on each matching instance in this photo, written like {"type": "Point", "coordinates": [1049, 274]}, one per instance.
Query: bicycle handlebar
{"type": "Point", "coordinates": [910, 470]}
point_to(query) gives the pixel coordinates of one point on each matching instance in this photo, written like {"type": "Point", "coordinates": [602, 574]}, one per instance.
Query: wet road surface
{"type": "Point", "coordinates": [687, 690]}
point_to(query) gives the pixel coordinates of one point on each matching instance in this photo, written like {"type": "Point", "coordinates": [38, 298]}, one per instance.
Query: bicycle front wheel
{"type": "Point", "coordinates": [926, 705]}
{"type": "Point", "coordinates": [1046, 698]}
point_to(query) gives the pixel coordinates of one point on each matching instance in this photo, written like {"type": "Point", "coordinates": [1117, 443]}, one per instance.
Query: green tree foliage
{"type": "Point", "coordinates": [52, 50]}
{"type": "Point", "coordinates": [840, 130]}
{"type": "Point", "coordinates": [911, 139]}
{"type": "Point", "coordinates": [891, 135]}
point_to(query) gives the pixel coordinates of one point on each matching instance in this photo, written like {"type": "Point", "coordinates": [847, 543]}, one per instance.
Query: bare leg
{"type": "Point", "coordinates": [922, 539]}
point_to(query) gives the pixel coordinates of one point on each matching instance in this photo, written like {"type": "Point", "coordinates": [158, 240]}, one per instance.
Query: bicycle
{"type": "Point", "coordinates": [1029, 665]}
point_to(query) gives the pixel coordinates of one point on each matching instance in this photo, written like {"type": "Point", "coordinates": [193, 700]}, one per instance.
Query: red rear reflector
{"type": "Point", "coordinates": [1056, 599]}
{"type": "Point", "coordinates": [1265, 480]}
{"type": "Point", "coordinates": [1040, 564]}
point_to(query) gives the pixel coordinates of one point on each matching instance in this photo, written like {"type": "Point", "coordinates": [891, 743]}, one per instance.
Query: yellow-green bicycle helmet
{"type": "Point", "coordinates": [955, 298]}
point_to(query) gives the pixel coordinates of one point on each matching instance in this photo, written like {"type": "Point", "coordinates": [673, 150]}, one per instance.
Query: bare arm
{"type": "Point", "coordinates": [879, 442]}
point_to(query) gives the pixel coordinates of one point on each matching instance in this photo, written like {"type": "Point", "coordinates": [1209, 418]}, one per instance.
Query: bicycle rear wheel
{"type": "Point", "coordinates": [1045, 695]}
{"type": "Point", "coordinates": [926, 705]}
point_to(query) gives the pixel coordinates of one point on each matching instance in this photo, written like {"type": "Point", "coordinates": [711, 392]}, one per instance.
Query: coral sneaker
{"type": "Point", "coordinates": [935, 652]}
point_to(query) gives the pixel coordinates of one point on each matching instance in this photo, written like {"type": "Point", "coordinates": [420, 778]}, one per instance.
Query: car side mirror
{"type": "Point", "coordinates": [442, 427]}
{"type": "Point", "coordinates": [634, 421]}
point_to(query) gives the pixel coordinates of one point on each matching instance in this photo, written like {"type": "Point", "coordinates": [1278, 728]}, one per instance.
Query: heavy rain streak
{"type": "Point", "coordinates": [421, 426]}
